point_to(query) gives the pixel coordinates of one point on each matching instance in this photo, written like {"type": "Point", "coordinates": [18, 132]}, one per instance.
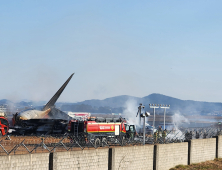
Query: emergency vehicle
{"type": "Point", "coordinates": [4, 125]}
{"type": "Point", "coordinates": [101, 129]}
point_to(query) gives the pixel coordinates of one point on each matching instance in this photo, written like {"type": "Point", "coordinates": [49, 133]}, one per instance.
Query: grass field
{"type": "Point", "coordinates": [216, 164]}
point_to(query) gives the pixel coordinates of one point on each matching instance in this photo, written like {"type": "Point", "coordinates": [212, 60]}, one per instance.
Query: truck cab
{"type": "Point", "coordinates": [4, 126]}
{"type": "Point", "coordinates": [130, 131]}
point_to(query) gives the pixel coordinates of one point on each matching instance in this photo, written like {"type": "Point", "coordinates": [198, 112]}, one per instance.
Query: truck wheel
{"type": "Point", "coordinates": [104, 142]}
{"type": "Point", "coordinates": [97, 142]}
{"type": "Point", "coordinates": [0, 134]}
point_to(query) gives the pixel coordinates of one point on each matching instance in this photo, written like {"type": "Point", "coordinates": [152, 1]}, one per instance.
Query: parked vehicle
{"type": "Point", "coordinates": [4, 125]}
{"type": "Point", "coordinates": [149, 129]}
{"type": "Point", "coordinates": [101, 129]}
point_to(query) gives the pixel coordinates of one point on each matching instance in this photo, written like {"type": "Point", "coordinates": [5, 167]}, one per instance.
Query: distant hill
{"type": "Point", "coordinates": [5, 101]}
{"type": "Point", "coordinates": [184, 106]}
{"type": "Point", "coordinates": [117, 104]}
{"type": "Point", "coordinates": [119, 101]}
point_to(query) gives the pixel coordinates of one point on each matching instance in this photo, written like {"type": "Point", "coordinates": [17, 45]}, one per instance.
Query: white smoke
{"type": "Point", "coordinates": [130, 111]}
{"type": "Point", "coordinates": [179, 119]}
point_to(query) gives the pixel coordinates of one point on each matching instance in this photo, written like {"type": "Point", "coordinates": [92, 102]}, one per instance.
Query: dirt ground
{"type": "Point", "coordinates": [216, 164]}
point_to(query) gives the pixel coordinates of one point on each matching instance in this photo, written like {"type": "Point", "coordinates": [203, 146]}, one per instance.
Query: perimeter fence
{"type": "Point", "coordinates": [11, 145]}
{"type": "Point", "coordinates": [183, 134]}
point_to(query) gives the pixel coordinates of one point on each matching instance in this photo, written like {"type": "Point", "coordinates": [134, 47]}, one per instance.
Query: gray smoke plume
{"type": "Point", "coordinates": [130, 111]}
{"type": "Point", "coordinates": [179, 119]}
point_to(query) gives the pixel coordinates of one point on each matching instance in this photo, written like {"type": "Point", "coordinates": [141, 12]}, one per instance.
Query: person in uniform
{"type": "Point", "coordinates": [187, 135]}
{"type": "Point", "coordinates": [155, 137]}
{"type": "Point", "coordinates": [190, 135]}
{"type": "Point", "coordinates": [164, 136]}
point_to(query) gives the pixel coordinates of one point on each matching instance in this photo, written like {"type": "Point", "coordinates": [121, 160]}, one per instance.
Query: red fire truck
{"type": "Point", "coordinates": [4, 125]}
{"type": "Point", "coordinates": [101, 129]}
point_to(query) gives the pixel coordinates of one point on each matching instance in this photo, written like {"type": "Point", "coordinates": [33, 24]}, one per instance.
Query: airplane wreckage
{"type": "Point", "coordinates": [49, 120]}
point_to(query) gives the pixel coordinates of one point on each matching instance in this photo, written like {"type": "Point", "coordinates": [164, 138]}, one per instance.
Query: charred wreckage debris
{"type": "Point", "coordinates": [49, 120]}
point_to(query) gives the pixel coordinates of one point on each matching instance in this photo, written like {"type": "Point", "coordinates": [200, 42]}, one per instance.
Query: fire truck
{"type": "Point", "coordinates": [4, 125]}
{"type": "Point", "coordinates": [99, 129]}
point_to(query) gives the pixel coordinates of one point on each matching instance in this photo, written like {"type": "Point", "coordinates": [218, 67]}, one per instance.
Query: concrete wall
{"type": "Point", "coordinates": [202, 150]}
{"type": "Point", "coordinates": [170, 155]}
{"type": "Point", "coordinates": [149, 157]}
{"type": "Point", "coordinates": [131, 158]}
{"type": "Point", "coordinates": [93, 159]}
{"type": "Point", "coordinates": [38, 161]}
{"type": "Point", "coordinates": [220, 146]}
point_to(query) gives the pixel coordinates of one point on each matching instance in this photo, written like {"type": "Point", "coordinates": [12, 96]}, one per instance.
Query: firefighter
{"type": "Point", "coordinates": [164, 135]}
{"type": "Point", "coordinates": [159, 135]}
{"type": "Point", "coordinates": [131, 135]}
{"type": "Point", "coordinates": [187, 135]}
{"type": "Point", "coordinates": [190, 135]}
{"type": "Point", "coordinates": [155, 137]}
{"type": "Point", "coordinates": [86, 139]}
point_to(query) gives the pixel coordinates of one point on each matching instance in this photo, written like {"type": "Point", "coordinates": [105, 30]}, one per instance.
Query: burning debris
{"type": "Point", "coordinates": [45, 121]}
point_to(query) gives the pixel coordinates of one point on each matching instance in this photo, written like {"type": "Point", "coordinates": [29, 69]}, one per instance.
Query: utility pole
{"type": "Point", "coordinates": [154, 106]}
{"type": "Point", "coordinates": [143, 115]}
{"type": "Point", "coordinates": [164, 107]}
{"type": "Point", "coordinates": [139, 113]}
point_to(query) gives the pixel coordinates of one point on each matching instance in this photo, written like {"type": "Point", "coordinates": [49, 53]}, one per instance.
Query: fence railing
{"type": "Point", "coordinates": [181, 135]}
{"type": "Point", "coordinates": [10, 145]}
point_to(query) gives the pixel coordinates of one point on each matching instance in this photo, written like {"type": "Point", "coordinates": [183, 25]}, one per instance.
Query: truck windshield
{"type": "Point", "coordinates": [4, 122]}
{"type": "Point", "coordinates": [131, 128]}
{"type": "Point", "coordinates": [126, 127]}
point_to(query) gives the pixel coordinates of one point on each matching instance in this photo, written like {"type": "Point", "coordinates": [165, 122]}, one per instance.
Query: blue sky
{"type": "Point", "coordinates": [114, 47]}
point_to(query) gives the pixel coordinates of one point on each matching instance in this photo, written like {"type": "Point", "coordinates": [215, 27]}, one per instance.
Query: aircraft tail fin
{"type": "Point", "coordinates": [56, 96]}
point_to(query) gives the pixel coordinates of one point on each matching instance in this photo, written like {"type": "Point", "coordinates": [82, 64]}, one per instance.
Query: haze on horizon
{"type": "Point", "coordinates": [115, 48]}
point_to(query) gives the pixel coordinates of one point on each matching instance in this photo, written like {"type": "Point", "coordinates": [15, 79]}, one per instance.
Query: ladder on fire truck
{"type": "Point", "coordinates": [76, 128]}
